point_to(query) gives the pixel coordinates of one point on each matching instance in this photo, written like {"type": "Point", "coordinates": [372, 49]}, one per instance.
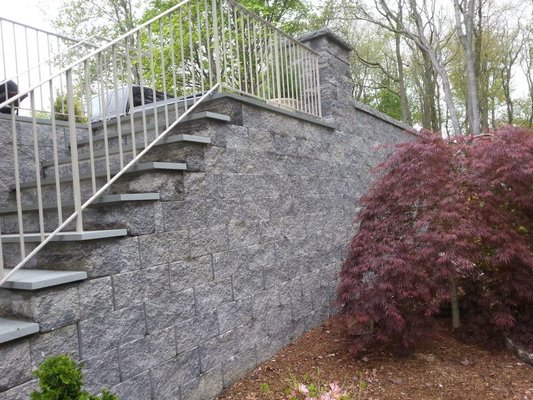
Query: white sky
{"type": "Point", "coordinates": [36, 13]}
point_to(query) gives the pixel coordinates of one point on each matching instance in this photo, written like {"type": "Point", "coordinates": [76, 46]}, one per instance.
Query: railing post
{"type": "Point", "coordinates": [76, 187]}
{"type": "Point", "coordinates": [216, 51]}
{"type": "Point", "coordinates": [278, 77]}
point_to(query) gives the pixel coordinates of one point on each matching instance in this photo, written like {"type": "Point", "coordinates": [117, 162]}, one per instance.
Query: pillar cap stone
{"type": "Point", "coordinates": [327, 33]}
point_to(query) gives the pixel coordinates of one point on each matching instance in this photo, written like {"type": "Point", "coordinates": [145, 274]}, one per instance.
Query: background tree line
{"type": "Point", "coordinates": [457, 66]}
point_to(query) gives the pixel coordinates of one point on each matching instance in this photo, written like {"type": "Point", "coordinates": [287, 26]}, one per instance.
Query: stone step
{"type": "Point", "coordinates": [67, 236]}
{"type": "Point", "coordinates": [33, 279]}
{"type": "Point", "coordinates": [102, 201]}
{"type": "Point", "coordinates": [126, 131]}
{"type": "Point", "coordinates": [144, 167]}
{"type": "Point", "coordinates": [11, 329]}
{"type": "Point", "coordinates": [101, 154]}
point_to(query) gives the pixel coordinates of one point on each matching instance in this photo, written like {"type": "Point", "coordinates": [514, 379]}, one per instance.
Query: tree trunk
{"type": "Point", "coordinates": [466, 40]}
{"type": "Point", "coordinates": [426, 48]}
{"type": "Point", "coordinates": [456, 317]}
{"type": "Point", "coordinates": [406, 112]}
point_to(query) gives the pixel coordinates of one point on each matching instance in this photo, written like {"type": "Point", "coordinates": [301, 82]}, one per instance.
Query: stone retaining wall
{"type": "Point", "coordinates": [240, 259]}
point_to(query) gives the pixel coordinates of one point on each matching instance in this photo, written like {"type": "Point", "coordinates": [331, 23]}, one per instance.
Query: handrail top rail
{"type": "Point", "coordinates": [39, 29]}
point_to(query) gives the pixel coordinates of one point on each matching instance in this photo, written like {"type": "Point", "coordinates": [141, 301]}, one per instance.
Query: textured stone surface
{"type": "Point", "coordinates": [144, 353]}
{"type": "Point", "coordinates": [108, 331]}
{"type": "Point", "coordinates": [60, 341]}
{"type": "Point", "coordinates": [194, 331]}
{"type": "Point", "coordinates": [211, 295]}
{"type": "Point", "coordinates": [96, 297]}
{"type": "Point", "coordinates": [169, 376]}
{"type": "Point", "coordinates": [162, 312]}
{"type": "Point", "coordinates": [101, 371]}
{"type": "Point", "coordinates": [15, 367]}
{"type": "Point", "coordinates": [205, 387]}
{"type": "Point", "coordinates": [136, 388]}
{"type": "Point", "coordinates": [191, 272]}
{"type": "Point", "coordinates": [55, 308]}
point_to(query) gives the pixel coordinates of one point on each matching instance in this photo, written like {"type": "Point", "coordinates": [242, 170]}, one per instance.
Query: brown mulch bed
{"type": "Point", "coordinates": [441, 368]}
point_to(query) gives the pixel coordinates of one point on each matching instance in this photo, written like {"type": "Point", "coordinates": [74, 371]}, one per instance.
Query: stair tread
{"type": "Point", "coordinates": [101, 173]}
{"type": "Point", "coordinates": [104, 200]}
{"type": "Point", "coordinates": [11, 329]}
{"type": "Point", "coordinates": [33, 279]}
{"type": "Point", "coordinates": [192, 117]}
{"type": "Point", "coordinates": [66, 236]}
{"type": "Point", "coordinates": [128, 149]}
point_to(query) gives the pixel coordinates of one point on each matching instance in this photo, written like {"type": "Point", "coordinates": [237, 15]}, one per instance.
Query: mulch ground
{"type": "Point", "coordinates": [441, 368]}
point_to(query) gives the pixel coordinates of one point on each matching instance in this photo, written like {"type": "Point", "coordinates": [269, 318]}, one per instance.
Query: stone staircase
{"type": "Point", "coordinates": [50, 275]}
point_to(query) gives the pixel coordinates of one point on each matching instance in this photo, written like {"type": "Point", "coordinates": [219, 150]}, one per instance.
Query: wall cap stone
{"type": "Point", "coordinates": [327, 33]}
{"type": "Point", "coordinates": [279, 110]}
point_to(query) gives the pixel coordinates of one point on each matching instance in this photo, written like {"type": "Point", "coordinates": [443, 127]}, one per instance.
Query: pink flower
{"type": "Point", "coordinates": [303, 389]}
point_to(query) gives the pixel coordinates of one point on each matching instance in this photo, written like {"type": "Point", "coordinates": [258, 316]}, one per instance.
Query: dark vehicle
{"type": "Point", "coordinates": [9, 89]}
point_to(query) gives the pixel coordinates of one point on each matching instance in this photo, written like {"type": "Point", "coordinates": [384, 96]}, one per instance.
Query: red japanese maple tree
{"type": "Point", "coordinates": [448, 223]}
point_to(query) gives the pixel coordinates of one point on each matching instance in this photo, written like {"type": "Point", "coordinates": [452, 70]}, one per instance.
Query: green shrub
{"type": "Point", "coordinates": [60, 378]}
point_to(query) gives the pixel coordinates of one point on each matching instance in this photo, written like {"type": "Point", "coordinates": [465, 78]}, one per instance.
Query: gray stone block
{"type": "Point", "coordinates": [168, 377]}
{"type": "Point", "coordinates": [225, 264]}
{"type": "Point", "coordinates": [96, 297]}
{"type": "Point", "coordinates": [256, 209]}
{"type": "Point", "coordinates": [243, 233]}
{"type": "Point", "coordinates": [191, 272]}
{"type": "Point", "coordinates": [184, 214]}
{"type": "Point", "coordinates": [60, 341]}
{"type": "Point", "coordinates": [265, 302]}
{"type": "Point", "coordinates": [247, 281]}
{"type": "Point", "coordinates": [168, 184]}
{"type": "Point", "coordinates": [222, 211]}
{"type": "Point", "coordinates": [103, 333]}
{"type": "Point", "coordinates": [238, 365]}
{"type": "Point", "coordinates": [55, 308]}
{"type": "Point", "coordinates": [202, 185]}
{"type": "Point", "coordinates": [147, 352]}
{"type": "Point", "coordinates": [102, 371]}
{"type": "Point", "coordinates": [136, 388]}
{"type": "Point", "coordinates": [163, 312]}
{"type": "Point", "coordinates": [208, 240]}
{"type": "Point", "coordinates": [212, 295]}
{"type": "Point", "coordinates": [96, 257]}
{"type": "Point", "coordinates": [20, 392]}
{"type": "Point", "coordinates": [132, 288]}
{"type": "Point", "coordinates": [164, 247]}
{"type": "Point", "coordinates": [235, 313]}
{"type": "Point", "coordinates": [15, 367]}
{"type": "Point", "coordinates": [206, 387]}
{"type": "Point", "coordinates": [215, 351]}
{"type": "Point", "coordinates": [194, 331]}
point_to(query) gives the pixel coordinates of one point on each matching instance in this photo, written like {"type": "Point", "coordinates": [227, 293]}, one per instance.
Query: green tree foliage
{"type": "Point", "coordinates": [61, 109]}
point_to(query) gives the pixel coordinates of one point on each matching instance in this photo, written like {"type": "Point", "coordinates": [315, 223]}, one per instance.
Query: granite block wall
{"type": "Point", "coordinates": [238, 258]}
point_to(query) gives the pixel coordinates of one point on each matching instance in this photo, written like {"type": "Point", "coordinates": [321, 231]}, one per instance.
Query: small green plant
{"type": "Point", "coordinates": [60, 378]}
{"type": "Point", "coordinates": [310, 387]}
{"type": "Point", "coordinates": [61, 109]}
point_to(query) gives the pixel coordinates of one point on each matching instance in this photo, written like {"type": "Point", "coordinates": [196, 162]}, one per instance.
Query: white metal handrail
{"type": "Point", "coordinates": [136, 88]}
{"type": "Point", "coordinates": [31, 54]}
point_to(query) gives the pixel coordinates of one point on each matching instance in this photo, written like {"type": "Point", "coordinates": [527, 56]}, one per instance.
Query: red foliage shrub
{"type": "Point", "coordinates": [444, 213]}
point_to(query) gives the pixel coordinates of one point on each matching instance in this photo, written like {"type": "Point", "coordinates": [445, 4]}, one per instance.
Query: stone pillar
{"type": "Point", "coordinates": [336, 84]}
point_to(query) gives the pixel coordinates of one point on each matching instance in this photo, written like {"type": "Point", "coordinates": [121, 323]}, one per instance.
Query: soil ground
{"type": "Point", "coordinates": [442, 368]}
